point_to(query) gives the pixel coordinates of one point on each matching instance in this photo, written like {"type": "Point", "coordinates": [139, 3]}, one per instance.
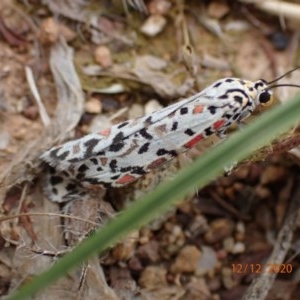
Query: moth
{"type": "Point", "coordinates": [119, 155]}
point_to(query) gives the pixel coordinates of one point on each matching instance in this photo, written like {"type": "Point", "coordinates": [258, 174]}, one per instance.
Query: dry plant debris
{"type": "Point", "coordinates": [130, 58]}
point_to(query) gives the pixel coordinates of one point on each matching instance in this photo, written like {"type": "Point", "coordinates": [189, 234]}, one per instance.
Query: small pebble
{"type": "Point", "coordinates": [218, 230]}
{"type": "Point", "coordinates": [31, 112]}
{"type": "Point", "coordinates": [102, 56]}
{"type": "Point", "coordinates": [198, 226]}
{"type": "Point", "coordinates": [242, 173]}
{"type": "Point", "coordinates": [99, 122]}
{"type": "Point", "coordinates": [149, 252]}
{"type": "Point", "coordinates": [208, 262]}
{"type": "Point", "coordinates": [136, 110]}
{"type": "Point", "coordinates": [272, 174]}
{"type": "Point", "coordinates": [240, 227]}
{"type": "Point", "coordinates": [93, 106]}
{"type": "Point", "coordinates": [187, 260]}
{"type": "Point", "coordinates": [228, 244]}
{"type": "Point", "coordinates": [135, 264]}
{"type": "Point", "coordinates": [153, 277]}
{"type": "Point", "coordinates": [159, 7]}
{"type": "Point", "coordinates": [218, 9]}
{"type": "Point", "coordinates": [238, 248]}
{"type": "Point", "coordinates": [49, 31]}
{"type": "Point", "coordinates": [153, 25]}
{"type": "Point", "coordinates": [152, 106]}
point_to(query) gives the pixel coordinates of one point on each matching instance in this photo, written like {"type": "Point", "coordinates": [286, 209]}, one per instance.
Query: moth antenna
{"type": "Point", "coordinates": [287, 84]}
{"type": "Point", "coordinates": [285, 74]}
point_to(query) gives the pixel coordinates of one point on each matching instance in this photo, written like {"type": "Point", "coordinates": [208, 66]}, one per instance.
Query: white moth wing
{"type": "Point", "coordinates": [163, 139]}
{"type": "Point", "coordinates": [52, 156]}
{"type": "Point", "coordinates": [95, 145]}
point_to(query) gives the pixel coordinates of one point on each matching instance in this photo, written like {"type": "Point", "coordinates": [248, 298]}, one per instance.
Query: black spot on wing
{"type": "Point", "coordinates": [94, 161]}
{"type": "Point", "coordinates": [217, 84]}
{"type": "Point", "coordinates": [223, 97]}
{"type": "Point", "coordinates": [90, 145]}
{"type": "Point", "coordinates": [122, 124]}
{"type": "Point", "coordinates": [83, 168]}
{"type": "Point", "coordinates": [162, 151]}
{"type": "Point", "coordinates": [229, 80]}
{"type": "Point", "coordinates": [79, 176]}
{"type": "Point", "coordinates": [100, 153]}
{"type": "Point", "coordinates": [125, 169]}
{"type": "Point", "coordinates": [212, 109]}
{"type": "Point", "coordinates": [118, 138]}
{"type": "Point", "coordinates": [148, 120]}
{"type": "Point", "coordinates": [62, 156]}
{"type": "Point", "coordinates": [133, 170]}
{"type": "Point", "coordinates": [144, 148]}
{"type": "Point", "coordinates": [99, 169]}
{"type": "Point", "coordinates": [56, 180]}
{"type": "Point", "coordinates": [174, 126]}
{"type": "Point", "coordinates": [189, 132]}
{"type": "Point", "coordinates": [113, 165]}
{"type": "Point", "coordinates": [115, 177]}
{"type": "Point", "coordinates": [183, 110]}
{"type": "Point", "coordinates": [138, 170]}
{"type": "Point", "coordinates": [144, 133]}
{"type": "Point", "coordinates": [209, 131]}
{"type": "Point", "coordinates": [71, 187]}
{"type": "Point", "coordinates": [117, 143]}
{"type": "Point", "coordinates": [52, 170]}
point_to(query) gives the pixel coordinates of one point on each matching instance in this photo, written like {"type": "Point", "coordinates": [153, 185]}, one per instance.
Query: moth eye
{"type": "Point", "coordinates": [265, 98]}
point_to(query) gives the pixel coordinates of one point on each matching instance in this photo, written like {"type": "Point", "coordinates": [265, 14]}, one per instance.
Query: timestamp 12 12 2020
{"type": "Point", "coordinates": [259, 268]}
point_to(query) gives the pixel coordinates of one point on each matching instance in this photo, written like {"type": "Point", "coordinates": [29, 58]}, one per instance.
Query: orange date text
{"type": "Point", "coordinates": [262, 268]}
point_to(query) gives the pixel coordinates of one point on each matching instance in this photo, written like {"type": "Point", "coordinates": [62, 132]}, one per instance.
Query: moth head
{"type": "Point", "coordinates": [264, 96]}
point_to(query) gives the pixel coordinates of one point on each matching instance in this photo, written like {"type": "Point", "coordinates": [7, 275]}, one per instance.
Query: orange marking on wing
{"type": "Point", "coordinates": [126, 179]}
{"type": "Point", "coordinates": [156, 163]}
{"type": "Point", "coordinates": [198, 109]}
{"type": "Point", "coordinates": [218, 124]}
{"type": "Point", "coordinates": [194, 141]}
{"type": "Point", "coordinates": [105, 132]}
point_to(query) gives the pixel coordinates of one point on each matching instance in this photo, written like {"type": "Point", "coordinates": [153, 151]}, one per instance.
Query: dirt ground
{"type": "Point", "coordinates": [134, 57]}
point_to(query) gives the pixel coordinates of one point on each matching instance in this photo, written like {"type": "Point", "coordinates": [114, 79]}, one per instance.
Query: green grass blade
{"type": "Point", "coordinates": [204, 169]}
